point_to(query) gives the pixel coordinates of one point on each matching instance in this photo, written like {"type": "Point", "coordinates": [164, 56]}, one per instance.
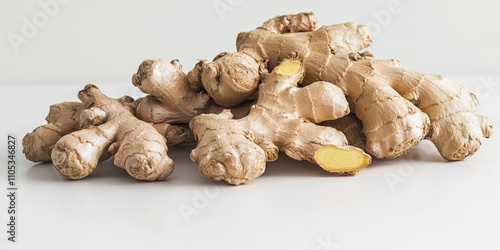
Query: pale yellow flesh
{"type": "Point", "coordinates": [335, 159]}
{"type": "Point", "coordinates": [288, 68]}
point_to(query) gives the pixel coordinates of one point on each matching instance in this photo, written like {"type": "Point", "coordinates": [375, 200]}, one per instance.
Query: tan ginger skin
{"type": "Point", "coordinates": [109, 127]}
{"type": "Point", "coordinates": [397, 107]}
{"type": "Point", "coordinates": [351, 127]}
{"type": "Point", "coordinates": [283, 118]}
{"type": "Point", "coordinates": [170, 97]}
{"type": "Point", "coordinates": [63, 118]}
{"type": "Point", "coordinates": [176, 97]}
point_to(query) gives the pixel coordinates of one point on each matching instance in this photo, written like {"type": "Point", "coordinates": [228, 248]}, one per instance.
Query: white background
{"type": "Point", "coordinates": [294, 205]}
{"type": "Point", "coordinates": [102, 41]}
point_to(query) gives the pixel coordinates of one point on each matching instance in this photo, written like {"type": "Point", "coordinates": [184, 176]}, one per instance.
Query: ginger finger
{"type": "Point", "coordinates": [137, 146]}
{"type": "Point", "coordinates": [171, 99]}
{"type": "Point", "coordinates": [236, 150]}
{"type": "Point", "coordinates": [398, 107]}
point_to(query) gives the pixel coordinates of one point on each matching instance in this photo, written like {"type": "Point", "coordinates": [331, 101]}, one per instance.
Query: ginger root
{"type": "Point", "coordinates": [110, 127]}
{"type": "Point", "coordinates": [351, 127]}
{"type": "Point", "coordinates": [398, 107]}
{"type": "Point", "coordinates": [236, 151]}
{"type": "Point", "coordinates": [63, 118]}
{"type": "Point", "coordinates": [171, 99]}
{"type": "Point", "coordinates": [239, 125]}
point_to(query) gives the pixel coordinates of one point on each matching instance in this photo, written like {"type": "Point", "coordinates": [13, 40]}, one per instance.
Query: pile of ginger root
{"type": "Point", "coordinates": [312, 93]}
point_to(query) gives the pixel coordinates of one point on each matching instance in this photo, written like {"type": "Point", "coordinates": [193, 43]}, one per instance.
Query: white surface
{"type": "Point", "coordinates": [104, 41]}
{"type": "Point", "coordinates": [294, 205]}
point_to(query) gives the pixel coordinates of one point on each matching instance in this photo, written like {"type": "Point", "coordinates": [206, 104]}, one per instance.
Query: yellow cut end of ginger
{"type": "Point", "coordinates": [288, 68]}
{"type": "Point", "coordinates": [341, 160]}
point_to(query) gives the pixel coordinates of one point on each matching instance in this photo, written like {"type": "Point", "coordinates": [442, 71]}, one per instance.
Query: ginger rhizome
{"type": "Point", "coordinates": [397, 107]}
{"type": "Point", "coordinates": [283, 118]}
{"type": "Point", "coordinates": [170, 97]}
{"type": "Point", "coordinates": [351, 127]}
{"type": "Point", "coordinates": [108, 127]}
{"type": "Point", "coordinates": [63, 118]}
{"type": "Point", "coordinates": [242, 115]}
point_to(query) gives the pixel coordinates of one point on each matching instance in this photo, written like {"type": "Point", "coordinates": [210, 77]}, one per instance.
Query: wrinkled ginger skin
{"type": "Point", "coordinates": [452, 124]}
{"type": "Point", "coordinates": [61, 120]}
{"type": "Point", "coordinates": [171, 98]}
{"type": "Point", "coordinates": [236, 151]}
{"type": "Point", "coordinates": [398, 107]}
{"type": "Point", "coordinates": [231, 78]}
{"type": "Point", "coordinates": [226, 90]}
{"type": "Point", "coordinates": [175, 134]}
{"type": "Point", "coordinates": [111, 127]}
{"type": "Point", "coordinates": [351, 127]}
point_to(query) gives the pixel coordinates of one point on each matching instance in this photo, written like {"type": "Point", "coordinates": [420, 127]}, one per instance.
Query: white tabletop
{"type": "Point", "coordinates": [418, 201]}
